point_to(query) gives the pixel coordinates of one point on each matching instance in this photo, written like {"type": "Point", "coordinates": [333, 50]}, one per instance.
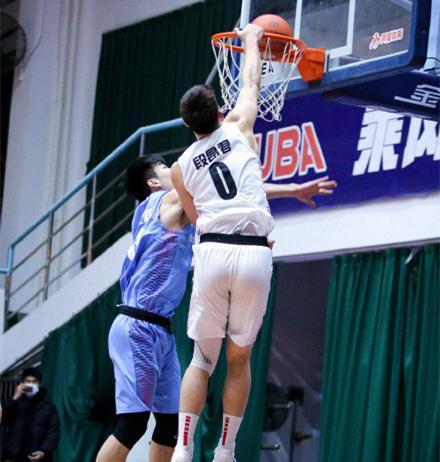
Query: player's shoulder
{"type": "Point", "coordinates": [171, 198]}
{"type": "Point", "coordinates": [142, 206]}
{"type": "Point", "coordinates": [186, 155]}
{"type": "Point", "coordinates": [232, 128]}
{"type": "Point", "coordinates": [235, 130]}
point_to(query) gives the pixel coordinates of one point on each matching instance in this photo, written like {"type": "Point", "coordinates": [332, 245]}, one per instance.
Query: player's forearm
{"type": "Point", "coordinates": [251, 73]}
{"type": "Point", "coordinates": [278, 191]}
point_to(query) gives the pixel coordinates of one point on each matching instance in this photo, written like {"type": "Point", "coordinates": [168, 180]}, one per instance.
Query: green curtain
{"type": "Point", "coordinates": [79, 375]}
{"type": "Point", "coordinates": [144, 70]}
{"type": "Point", "coordinates": [381, 379]}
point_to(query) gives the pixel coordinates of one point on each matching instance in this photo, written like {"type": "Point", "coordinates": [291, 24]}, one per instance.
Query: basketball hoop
{"type": "Point", "coordinates": [280, 55]}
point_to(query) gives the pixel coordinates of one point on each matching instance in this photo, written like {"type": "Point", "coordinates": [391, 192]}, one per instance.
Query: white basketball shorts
{"type": "Point", "coordinates": [230, 290]}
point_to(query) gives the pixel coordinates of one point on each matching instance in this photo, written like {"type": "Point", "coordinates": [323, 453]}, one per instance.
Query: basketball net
{"type": "Point", "coordinates": [277, 70]}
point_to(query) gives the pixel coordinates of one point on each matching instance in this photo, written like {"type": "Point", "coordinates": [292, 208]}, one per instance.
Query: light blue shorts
{"type": "Point", "coordinates": [147, 371]}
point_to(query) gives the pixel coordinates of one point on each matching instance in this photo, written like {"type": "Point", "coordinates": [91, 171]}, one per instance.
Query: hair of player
{"type": "Point", "coordinates": [199, 109]}
{"type": "Point", "coordinates": [137, 176]}
{"type": "Point", "coordinates": [30, 372]}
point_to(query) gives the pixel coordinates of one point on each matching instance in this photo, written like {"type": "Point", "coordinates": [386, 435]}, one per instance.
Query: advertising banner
{"type": "Point", "coordinates": [371, 154]}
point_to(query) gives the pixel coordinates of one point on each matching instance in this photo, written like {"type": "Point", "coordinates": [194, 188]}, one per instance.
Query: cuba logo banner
{"type": "Point", "coordinates": [372, 154]}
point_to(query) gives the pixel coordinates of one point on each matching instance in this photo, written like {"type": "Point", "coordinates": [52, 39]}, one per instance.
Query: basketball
{"type": "Point", "coordinates": [273, 24]}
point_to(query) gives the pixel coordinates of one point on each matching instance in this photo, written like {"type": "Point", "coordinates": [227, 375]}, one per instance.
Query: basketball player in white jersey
{"type": "Point", "coordinates": [218, 179]}
{"type": "Point", "coordinates": [153, 279]}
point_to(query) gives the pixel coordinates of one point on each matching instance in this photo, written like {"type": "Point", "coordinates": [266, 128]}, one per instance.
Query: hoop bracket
{"type": "Point", "coordinates": [312, 65]}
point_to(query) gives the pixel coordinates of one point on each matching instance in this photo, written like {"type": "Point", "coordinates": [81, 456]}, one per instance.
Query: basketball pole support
{"type": "Point", "coordinates": [245, 12]}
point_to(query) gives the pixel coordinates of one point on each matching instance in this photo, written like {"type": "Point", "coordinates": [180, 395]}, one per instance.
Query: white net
{"type": "Point", "coordinates": [277, 69]}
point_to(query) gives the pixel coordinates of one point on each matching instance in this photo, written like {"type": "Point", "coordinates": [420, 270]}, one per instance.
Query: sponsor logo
{"type": "Point", "coordinates": [385, 38]}
{"type": "Point", "coordinates": [267, 68]}
{"type": "Point", "coordinates": [424, 95]}
{"type": "Point", "coordinates": [290, 151]}
{"type": "Point", "coordinates": [381, 132]}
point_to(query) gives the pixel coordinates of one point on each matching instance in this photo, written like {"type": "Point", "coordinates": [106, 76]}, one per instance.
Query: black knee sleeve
{"type": "Point", "coordinates": [165, 432]}
{"type": "Point", "coordinates": [131, 427]}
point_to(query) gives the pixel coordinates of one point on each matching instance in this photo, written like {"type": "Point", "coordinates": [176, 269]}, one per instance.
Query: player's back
{"type": "Point", "coordinates": [156, 267]}
{"type": "Point", "coordinates": [223, 175]}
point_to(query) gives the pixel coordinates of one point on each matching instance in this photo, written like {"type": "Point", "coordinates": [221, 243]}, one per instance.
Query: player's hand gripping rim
{"type": "Point", "coordinates": [251, 30]}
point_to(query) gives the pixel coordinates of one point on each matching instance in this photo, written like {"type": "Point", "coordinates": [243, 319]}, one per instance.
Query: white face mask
{"type": "Point", "coordinates": [33, 390]}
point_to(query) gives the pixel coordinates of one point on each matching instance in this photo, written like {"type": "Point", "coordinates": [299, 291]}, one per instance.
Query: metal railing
{"type": "Point", "coordinates": [36, 283]}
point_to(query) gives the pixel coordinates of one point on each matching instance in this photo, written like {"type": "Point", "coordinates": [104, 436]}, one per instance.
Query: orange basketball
{"type": "Point", "coordinates": [271, 23]}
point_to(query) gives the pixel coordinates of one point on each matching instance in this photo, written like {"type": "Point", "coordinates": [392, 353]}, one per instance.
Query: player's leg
{"type": "Point", "coordinates": [129, 429]}
{"type": "Point", "coordinates": [235, 396]}
{"type": "Point", "coordinates": [206, 325]}
{"type": "Point", "coordinates": [166, 403]}
{"type": "Point", "coordinates": [134, 350]}
{"type": "Point", "coordinates": [249, 294]}
{"type": "Point", "coordinates": [238, 379]}
{"type": "Point", "coordinates": [160, 453]}
{"type": "Point", "coordinates": [193, 394]}
{"type": "Point", "coordinates": [164, 437]}
{"type": "Point", "coordinates": [112, 450]}
{"type": "Point", "coordinates": [194, 389]}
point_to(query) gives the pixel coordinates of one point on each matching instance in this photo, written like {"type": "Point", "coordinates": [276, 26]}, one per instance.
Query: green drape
{"type": "Point", "coordinates": [381, 380]}
{"type": "Point", "coordinates": [144, 70]}
{"type": "Point", "coordinates": [79, 375]}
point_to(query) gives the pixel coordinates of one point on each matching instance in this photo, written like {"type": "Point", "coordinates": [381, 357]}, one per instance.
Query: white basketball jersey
{"type": "Point", "coordinates": [222, 173]}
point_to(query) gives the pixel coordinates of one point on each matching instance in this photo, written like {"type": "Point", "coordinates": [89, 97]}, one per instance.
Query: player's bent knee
{"type": "Point", "coordinates": [238, 356]}
{"type": "Point", "coordinates": [131, 427]}
{"type": "Point", "coordinates": [166, 430]}
{"type": "Point", "coordinates": [206, 353]}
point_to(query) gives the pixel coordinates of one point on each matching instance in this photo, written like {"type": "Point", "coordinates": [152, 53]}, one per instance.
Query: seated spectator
{"type": "Point", "coordinates": [31, 421]}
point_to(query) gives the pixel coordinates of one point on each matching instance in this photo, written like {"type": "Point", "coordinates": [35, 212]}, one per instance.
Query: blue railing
{"type": "Point", "coordinates": [87, 179]}
{"type": "Point", "coordinates": [48, 216]}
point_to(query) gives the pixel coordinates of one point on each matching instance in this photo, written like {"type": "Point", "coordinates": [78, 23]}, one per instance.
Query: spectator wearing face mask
{"type": "Point", "coordinates": [31, 421]}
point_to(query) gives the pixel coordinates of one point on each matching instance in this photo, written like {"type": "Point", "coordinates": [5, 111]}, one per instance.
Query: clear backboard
{"type": "Point", "coordinates": [364, 39]}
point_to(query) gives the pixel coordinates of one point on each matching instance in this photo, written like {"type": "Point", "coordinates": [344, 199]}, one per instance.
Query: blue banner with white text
{"type": "Point", "coordinates": [371, 154]}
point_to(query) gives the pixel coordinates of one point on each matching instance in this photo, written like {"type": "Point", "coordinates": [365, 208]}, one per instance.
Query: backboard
{"type": "Point", "coordinates": [364, 39]}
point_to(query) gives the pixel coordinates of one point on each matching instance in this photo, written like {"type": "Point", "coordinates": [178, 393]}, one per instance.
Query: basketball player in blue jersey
{"type": "Point", "coordinates": [153, 282]}
{"type": "Point", "coordinates": [141, 344]}
{"type": "Point", "coordinates": [218, 179]}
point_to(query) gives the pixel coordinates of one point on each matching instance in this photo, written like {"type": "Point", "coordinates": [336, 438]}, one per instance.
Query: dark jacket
{"type": "Point", "coordinates": [32, 424]}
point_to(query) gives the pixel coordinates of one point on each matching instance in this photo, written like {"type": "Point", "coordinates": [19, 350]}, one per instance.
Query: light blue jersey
{"type": "Point", "coordinates": [154, 273]}
{"type": "Point", "coordinates": [155, 270]}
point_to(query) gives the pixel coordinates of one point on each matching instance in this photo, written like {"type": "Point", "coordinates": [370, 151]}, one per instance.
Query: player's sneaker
{"type": "Point", "coordinates": [182, 455]}
{"type": "Point", "coordinates": [224, 455]}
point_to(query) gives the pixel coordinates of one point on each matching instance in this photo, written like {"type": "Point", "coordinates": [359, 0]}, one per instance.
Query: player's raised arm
{"type": "Point", "coordinates": [245, 110]}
